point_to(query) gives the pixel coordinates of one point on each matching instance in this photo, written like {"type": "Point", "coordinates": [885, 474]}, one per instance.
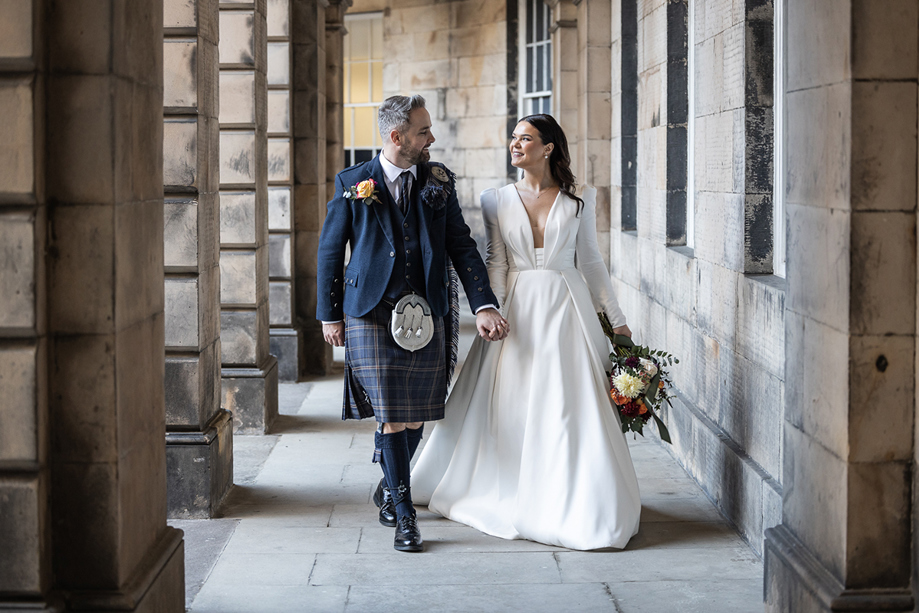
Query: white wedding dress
{"type": "Point", "coordinates": [531, 446]}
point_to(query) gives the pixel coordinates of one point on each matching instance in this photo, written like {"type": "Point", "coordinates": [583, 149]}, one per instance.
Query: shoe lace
{"type": "Point", "coordinates": [408, 522]}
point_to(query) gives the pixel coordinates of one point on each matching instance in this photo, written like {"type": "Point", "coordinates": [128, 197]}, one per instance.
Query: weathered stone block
{"type": "Point", "coordinates": [430, 45]}
{"type": "Point", "coordinates": [238, 159]}
{"type": "Point", "coordinates": [237, 97]}
{"type": "Point", "coordinates": [884, 41]}
{"type": "Point", "coordinates": [139, 252]}
{"type": "Point", "coordinates": [279, 208]}
{"type": "Point", "coordinates": [279, 257]}
{"type": "Point", "coordinates": [180, 14]}
{"type": "Point", "coordinates": [183, 391]}
{"type": "Point", "coordinates": [199, 469]}
{"type": "Point", "coordinates": [816, 478]}
{"type": "Point", "coordinates": [719, 227]}
{"type": "Point", "coordinates": [883, 146]}
{"type": "Point", "coordinates": [816, 390]}
{"type": "Point", "coordinates": [881, 385]}
{"type": "Point", "coordinates": [817, 162]}
{"type": "Point", "coordinates": [16, 29]}
{"type": "Point", "coordinates": [280, 305]}
{"type": "Point", "coordinates": [278, 17]}
{"type": "Point", "coordinates": [285, 347]}
{"type": "Point", "coordinates": [278, 63]}
{"type": "Point", "coordinates": [21, 506]}
{"type": "Point", "coordinates": [180, 233]}
{"type": "Point", "coordinates": [19, 420]}
{"type": "Point", "coordinates": [761, 318]}
{"type": "Point", "coordinates": [181, 313]}
{"type": "Point", "coordinates": [278, 112]}
{"type": "Point", "coordinates": [482, 70]}
{"type": "Point", "coordinates": [238, 337]}
{"type": "Point", "coordinates": [17, 271]}
{"type": "Point", "coordinates": [279, 159]}
{"type": "Point", "coordinates": [84, 298]}
{"type": "Point", "coordinates": [237, 37]}
{"type": "Point", "coordinates": [17, 163]}
{"type": "Point", "coordinates": [180, 153]}
{"type": "Point", "coordinates": [818, 274]}
{"type": "Point", "coordinates": [238, 278]}
{"type": "Point", "coordinates": [252, 396]}
{"type": "Point", "coordinates": [817, 45]}
{"type": "Point", "coordinates": [237, 218]}
{"type": "Point", "coordinates": [180, 67]}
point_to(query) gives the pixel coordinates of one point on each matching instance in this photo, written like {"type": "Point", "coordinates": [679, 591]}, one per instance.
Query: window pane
{"type": "Point", "coordinates": [549, 67]}
{"type": "Point", "coordinates": [377, 82]}
{"type": "Point", "coordinates": [359, 33]}
{"type": "Point", "coordinates": [528, 86]}
{"type": "Point", "coordinates": [363, 155]}
{"type": "Point", "coordinates": [540, 68]}
{"type": "Point", "coordinates": [363, 126]}
{"type": "Point", "coordinates": [376, 48]}
{"type": "Point", "coordinates": [540, 21]}
{"type": "Point", "coordinates": [360, 83]}
{"type": "Point", "coordinates": [347, 138]}
{"type": "Point", "coordinates": [529, 20]}
{"type": "Point", "coordinates": [346, 80]}
{"type": "Point", "coordinates": [348, 158]}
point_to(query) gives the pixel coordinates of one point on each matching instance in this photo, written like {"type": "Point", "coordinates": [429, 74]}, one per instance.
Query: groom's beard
{"type": "Point", "coordinates": [417, 156]}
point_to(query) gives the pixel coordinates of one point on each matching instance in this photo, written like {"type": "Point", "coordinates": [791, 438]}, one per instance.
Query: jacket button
{"type": "Point", "coordinates": [334, 280]}
{"type": "Point", "coordinates": [481, 290]}
{"type": "Point", "coordinates": [392, 254]}
{"type": "Point", "coordinates": [468, 270]}
{"type": "Point", "coordinates": [407, 238]}
{"type": "Point", "coordinates": [407, 264]}
{"type": "Point", "coordinates": [408, 251]}
{"type": "Point", "coordinates": [475, 278]}
{"type": "Point", "coordinates": [405, 225]}
{"type": "Point", "coordinates": [335, 305]}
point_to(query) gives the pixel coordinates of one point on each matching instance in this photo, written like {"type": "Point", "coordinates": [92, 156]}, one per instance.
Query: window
{"type": "Point", "coordinates": [363, 84]}
{"type": "Point", "coordinates": [778, 114]}
{"type": "Point", "coordinates": [536, 58]}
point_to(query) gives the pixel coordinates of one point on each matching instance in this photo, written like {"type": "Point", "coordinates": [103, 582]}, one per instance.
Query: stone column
{"type": "Point", "coordinates": [334, 98]}
{"type": "Point", "coordinates": [250, 372]}
{"type": "Point", "coordinates": [199, 440]}
{"type": "Point", "coordinates": [82, 460]}
{"type": "Point", "coordinates": [285, 337]}
{"type": "Point", "coordinates": [565, 63]}
{"type": "Point", "coordinates": [594, 108]}
{"type": "Point", "coordinates": [850, 323]}
{"type": "Point", "coordinates": [310, 192]}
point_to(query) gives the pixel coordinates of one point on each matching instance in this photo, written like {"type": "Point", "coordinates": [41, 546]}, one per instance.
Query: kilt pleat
{"type": "Point", "coordinates": [385, 381]}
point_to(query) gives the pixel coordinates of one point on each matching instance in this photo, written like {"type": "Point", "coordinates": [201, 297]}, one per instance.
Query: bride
{"type": "Point", "coordinates": [531, 446]}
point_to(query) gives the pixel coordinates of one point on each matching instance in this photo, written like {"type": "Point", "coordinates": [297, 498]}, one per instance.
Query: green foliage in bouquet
{"type": "Point", "coordinates": [638, 382]}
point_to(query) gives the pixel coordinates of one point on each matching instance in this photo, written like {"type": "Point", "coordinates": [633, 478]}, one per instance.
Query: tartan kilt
{"type": "Point", "coordinates": [385, 381]}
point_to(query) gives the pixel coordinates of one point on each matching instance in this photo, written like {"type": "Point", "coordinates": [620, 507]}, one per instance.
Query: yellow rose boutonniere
{"type": "Point", "coordinates": [365, 190]}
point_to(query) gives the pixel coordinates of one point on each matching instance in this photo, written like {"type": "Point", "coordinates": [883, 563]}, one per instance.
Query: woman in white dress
{"type": "Point", "coordinates": [531, 446]}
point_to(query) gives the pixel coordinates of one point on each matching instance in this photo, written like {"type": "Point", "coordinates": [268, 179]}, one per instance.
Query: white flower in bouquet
{"type": "Point", "coordinates": [628, 385]}
{"type": "Point", "coordinates": [649, 367]}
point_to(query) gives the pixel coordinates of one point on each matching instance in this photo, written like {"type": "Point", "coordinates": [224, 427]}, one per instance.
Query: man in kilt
{"type": "Point", "coordinates": [401, 216]}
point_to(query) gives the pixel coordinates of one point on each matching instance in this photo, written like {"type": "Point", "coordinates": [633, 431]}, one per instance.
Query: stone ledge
{"type": "Point", "coordinates": [789, 560]}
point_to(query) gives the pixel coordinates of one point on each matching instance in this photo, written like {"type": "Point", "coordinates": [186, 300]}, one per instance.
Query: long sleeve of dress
{"type": "Point", "coordinates": [495, 249]}
{"type": "Point", "coordinates": [590, 262]}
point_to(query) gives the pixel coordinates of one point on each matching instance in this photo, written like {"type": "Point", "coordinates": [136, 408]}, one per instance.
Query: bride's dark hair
{"type": "Point", "coordinates": [559, 159]}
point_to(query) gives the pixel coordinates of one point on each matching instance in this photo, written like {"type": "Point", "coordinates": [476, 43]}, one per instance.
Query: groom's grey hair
{"type": "Point", "coordinates": [395, 111]}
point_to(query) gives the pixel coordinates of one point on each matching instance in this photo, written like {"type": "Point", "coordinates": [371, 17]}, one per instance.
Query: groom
{"type": "Point", "coordinates": [402, 218]}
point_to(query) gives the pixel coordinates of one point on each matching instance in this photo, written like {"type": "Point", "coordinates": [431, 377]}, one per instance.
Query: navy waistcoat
{"type": "Point", "coordinates": [408, 271]}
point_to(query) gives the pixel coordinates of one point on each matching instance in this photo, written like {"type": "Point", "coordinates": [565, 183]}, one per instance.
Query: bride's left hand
{"type": "Point", "coordinates": [491, 326]}
{"type": "Point", "coordinates": [623, 330]}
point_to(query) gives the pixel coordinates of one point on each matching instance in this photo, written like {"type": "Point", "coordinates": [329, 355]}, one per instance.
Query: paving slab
{"type": "Point", "coordinates": [680, 564]}
{"type": "Point", "coordinates": [254, 598]}
{"type": "Point", "coordinates": [205, 540]}
{"type": "Point", "coordinates": [737, 596]}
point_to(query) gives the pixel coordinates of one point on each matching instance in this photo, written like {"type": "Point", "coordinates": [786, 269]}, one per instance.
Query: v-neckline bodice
{"type": "Point", "coordinates": [527, 215]}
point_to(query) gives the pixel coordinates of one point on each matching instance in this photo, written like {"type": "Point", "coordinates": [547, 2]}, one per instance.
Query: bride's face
{"type": "Point", "coordinates": [527, 148]}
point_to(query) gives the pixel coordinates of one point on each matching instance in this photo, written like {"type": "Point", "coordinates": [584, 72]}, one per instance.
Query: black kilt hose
{"type": "Point", "coordinates": [385, 381]}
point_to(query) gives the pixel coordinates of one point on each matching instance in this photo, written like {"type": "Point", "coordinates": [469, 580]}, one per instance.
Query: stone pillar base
{"type": "Point", "coordinates": [285, 346]}
{"type": "Point", "coordinates": [796, 581]}
{"type": "Point", "coordinates": [29, 606]}
{"type": "Point", "coordinates": [251, 395]}
{"type": "Point", "coordinates": [158, 586]}
{"type": "Point", "coordinates": [199, 469]}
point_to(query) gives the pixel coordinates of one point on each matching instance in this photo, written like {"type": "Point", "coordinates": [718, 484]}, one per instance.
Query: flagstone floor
{"type": "Point", "coordinates": [299, 533]}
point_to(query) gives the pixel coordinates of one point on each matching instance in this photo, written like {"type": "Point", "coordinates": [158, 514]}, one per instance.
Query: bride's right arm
{"type": "Point", "coordinates": [495, 250]}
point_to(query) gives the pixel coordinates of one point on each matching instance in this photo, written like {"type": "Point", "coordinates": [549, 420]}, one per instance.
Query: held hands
{"type": "Point", "coordinates": [491, 326]}
{"type": "Point", "coordinates": [623, 330]}
{"type": "Point", "coordinates": [334, 334]}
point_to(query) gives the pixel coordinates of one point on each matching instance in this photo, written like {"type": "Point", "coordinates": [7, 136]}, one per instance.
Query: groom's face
{"type": "Point", "coordinates": [417, 138]}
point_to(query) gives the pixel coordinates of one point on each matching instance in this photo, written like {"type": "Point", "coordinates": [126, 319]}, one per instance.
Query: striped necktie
{"type": "Point", "coordinates": [404, 191]}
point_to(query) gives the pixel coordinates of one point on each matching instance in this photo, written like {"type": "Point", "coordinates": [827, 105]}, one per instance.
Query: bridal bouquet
{"type": "Point", "coordinates": [638, 381]}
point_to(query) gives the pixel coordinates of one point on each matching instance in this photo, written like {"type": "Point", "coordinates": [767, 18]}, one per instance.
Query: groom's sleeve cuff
{"type": "Point", "coordinates": [485, 306]}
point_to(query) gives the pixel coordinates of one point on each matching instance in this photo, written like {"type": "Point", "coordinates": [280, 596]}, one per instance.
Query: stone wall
{"type": "Point", "coordinates": [700, 302]}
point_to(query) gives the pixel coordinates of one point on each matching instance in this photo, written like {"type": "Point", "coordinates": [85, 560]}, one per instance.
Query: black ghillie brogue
{"type": "Point", "coordinates": [408, 536]}
{"type": "Point", "coordinates": [383, 499]}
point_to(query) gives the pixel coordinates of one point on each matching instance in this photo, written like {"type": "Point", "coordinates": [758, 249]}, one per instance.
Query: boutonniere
{"type": "Point", "coordinates": [365, 190]}
{"type": "Point", "coordinates": [437, 188]}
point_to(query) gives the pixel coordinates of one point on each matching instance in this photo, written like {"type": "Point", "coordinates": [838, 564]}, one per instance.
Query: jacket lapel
{"type": "Point", "coordinates": [383, 209]}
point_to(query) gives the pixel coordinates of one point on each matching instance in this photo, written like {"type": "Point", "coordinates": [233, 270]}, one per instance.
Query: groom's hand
{"type": "Point", "coordinates": [491, 326]}
{"type": "Point", "coordinates": [334, 334]}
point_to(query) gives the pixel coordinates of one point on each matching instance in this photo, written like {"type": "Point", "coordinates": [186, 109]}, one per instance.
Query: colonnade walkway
{"type": "Point", "coordinates": [299, 532]}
